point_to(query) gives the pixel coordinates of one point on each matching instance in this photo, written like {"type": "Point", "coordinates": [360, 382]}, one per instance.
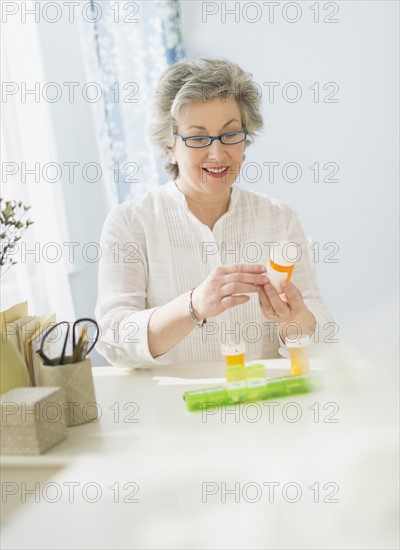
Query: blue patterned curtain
{"type": "Point", "coordinates": [127, 46]}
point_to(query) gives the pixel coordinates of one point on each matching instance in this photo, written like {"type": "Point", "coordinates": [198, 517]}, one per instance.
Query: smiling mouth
{"type": "Point", "coordinates": [216, 172]}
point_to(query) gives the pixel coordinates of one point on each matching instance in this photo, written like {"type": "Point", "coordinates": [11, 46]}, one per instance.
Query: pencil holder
{"type": "Point", "coordinates": [77, 381]}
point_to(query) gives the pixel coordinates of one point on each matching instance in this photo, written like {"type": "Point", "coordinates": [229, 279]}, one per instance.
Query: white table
{"type": "Point", "coordinates": [149, 474]}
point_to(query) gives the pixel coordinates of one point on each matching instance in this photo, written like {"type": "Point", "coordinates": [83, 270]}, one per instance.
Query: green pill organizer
{"type": "Point", "coordinates": [197, 400]}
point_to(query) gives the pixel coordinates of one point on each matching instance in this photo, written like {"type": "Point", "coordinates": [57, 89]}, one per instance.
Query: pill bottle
{"type": "Point", "coordinates": [280, 266]}
{"type": "Point", "coordinates": [234, 353]}
{"type": "Point", "coordinates": [298, 352]}
{"type": "Point", "coordinates": [235, 370]}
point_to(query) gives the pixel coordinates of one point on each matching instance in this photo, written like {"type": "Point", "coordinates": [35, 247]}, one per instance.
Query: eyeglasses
{"type": "Point", "coordinates": [198, 142]}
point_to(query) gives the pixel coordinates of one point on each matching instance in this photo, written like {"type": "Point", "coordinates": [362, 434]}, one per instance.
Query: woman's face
{"type": "Point", "coordinates": [211, 118]}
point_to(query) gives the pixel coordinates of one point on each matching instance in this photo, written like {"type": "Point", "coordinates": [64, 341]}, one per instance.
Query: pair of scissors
{"type": "Point", "coordinates": [88, 322]}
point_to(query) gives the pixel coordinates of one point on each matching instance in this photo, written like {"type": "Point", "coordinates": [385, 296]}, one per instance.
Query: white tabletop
{"type": "Point", "coordinates": [150, 474]}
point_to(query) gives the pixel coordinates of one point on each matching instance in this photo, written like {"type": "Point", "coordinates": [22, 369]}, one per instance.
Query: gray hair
{"type": "Point", "coordinates": [192, 80]}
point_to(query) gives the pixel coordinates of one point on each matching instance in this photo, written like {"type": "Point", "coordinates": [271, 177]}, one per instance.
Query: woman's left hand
{"type": "Point", "coordinates": [288, 310]}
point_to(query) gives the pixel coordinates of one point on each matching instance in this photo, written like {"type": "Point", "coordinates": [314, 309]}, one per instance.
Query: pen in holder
{"type": "Point", "coordinates": [77, 381]}
{"type": "Point", "coordinates": [73, 373]}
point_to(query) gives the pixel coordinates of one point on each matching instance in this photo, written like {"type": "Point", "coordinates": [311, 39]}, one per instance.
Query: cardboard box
{"type": "Point", "coordinates": [32, 420]}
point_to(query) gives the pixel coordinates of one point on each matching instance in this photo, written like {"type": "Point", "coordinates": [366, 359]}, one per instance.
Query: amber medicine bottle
{"type": "Point", "coordinates": [280, 266]}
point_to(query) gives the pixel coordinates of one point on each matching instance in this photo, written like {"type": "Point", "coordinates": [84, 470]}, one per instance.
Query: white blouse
{"type": "Point", "coordinates": [154, 249]}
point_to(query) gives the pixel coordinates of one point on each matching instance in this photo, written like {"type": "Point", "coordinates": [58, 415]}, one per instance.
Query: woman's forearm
{"type": "Point", "coordinates": [169, 325]}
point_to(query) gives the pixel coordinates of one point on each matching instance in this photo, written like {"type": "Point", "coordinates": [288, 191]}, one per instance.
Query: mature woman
{"type": "Point", "coordinates": [178, 276]}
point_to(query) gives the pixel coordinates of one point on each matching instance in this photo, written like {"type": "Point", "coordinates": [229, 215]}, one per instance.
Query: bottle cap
{"type": "Point", "coordinates": [297, 341]}
{"type": "Point", "coordinates": [234, 348]}
{"type": "Point", "coordinates": [283, 253]}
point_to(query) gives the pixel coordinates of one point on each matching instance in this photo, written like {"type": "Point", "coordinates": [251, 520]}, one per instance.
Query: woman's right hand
{"type": "Point", "coordinates": [220, 290]}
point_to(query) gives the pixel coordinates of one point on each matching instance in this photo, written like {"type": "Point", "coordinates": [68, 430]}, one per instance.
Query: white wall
{"type": "Point", "coordinates": [359, 133]}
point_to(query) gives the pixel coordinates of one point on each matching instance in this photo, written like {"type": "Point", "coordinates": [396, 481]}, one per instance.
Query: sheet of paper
{"type": "Point", "coordinates": [12, 314]}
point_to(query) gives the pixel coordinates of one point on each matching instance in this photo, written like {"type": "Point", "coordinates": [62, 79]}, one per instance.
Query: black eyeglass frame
{"type": "Point", "coordinates": [213, 138]}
